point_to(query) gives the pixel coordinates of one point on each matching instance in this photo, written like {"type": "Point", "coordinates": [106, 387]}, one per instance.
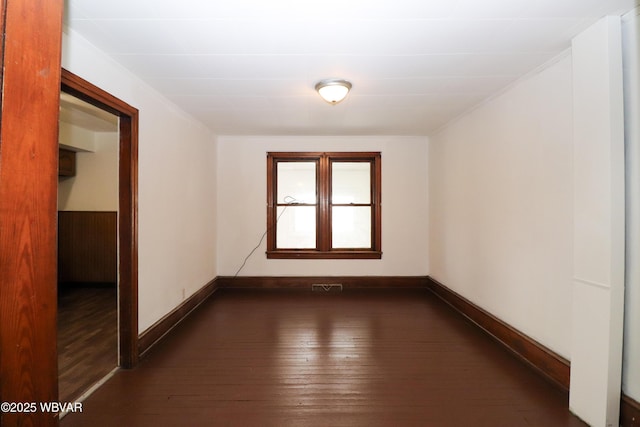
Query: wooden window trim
{"type": "Point", "coordinates": [323, 214]}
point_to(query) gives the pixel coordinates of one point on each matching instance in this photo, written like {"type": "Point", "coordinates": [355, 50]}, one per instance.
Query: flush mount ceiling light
{"type": "Point", "coordinates": [333, 90]}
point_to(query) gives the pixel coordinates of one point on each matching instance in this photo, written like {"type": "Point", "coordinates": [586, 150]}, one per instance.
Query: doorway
{"type": "Point", "coordinates": [127, 209]}
{"type": "Point", "coordinates": [87, 246]}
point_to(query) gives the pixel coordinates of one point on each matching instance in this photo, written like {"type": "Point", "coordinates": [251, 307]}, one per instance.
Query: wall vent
{"type": "Point", "coordinates": [326, 287]}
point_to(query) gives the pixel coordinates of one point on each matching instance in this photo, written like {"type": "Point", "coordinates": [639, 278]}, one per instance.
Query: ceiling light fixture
{"type": "Point", "coordinates": [333, 90]}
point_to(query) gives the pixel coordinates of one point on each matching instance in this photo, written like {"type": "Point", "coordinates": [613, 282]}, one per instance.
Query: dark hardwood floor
{"type": "Point", "coordinates": [87, 337]}
{"type": "Point", "coordinates": [295, 358]}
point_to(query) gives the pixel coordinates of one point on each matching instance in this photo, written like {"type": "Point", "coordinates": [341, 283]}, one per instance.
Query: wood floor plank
{"type": "Point", "coordinates": [87, 337]}
{"type": "Point", "coordinates": [359, 358]}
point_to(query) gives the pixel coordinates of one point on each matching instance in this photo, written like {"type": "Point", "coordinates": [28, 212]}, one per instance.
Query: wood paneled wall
{"type": "Point", "coordinates": [87, 247]}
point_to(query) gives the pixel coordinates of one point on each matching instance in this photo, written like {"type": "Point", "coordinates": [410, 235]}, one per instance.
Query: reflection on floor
{"type": "Point", "coordinates": [87, 337]}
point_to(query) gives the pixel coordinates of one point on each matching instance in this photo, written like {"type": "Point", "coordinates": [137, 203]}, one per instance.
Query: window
{"type": "Point", "coordinates": [323, 205]}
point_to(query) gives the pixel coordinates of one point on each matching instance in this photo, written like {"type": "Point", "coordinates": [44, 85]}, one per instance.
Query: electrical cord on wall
{"type": "Point", "coordinates": [289, 200]}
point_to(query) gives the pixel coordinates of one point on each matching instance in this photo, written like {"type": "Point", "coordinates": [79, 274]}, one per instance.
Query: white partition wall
{"type": "Point", "coordinates": [599, 239]}
{"type": "Point", "coordinates": [631, 67]}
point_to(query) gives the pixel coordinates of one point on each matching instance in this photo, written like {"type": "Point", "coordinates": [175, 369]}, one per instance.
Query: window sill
{"type": "Point", "coordinates": [312, 254]}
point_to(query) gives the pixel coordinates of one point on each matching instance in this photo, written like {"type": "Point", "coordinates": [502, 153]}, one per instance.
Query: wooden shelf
{"type": "Point", "coordinates": [66, 163]}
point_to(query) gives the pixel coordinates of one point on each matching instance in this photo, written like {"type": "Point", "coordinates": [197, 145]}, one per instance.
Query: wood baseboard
{"type": "Point", "coordinates": [156, 331]}
{"type": "Point", "coordinates": [551, 365]}
{"type": "Point", "coordinates": [305, 282]}
{"type": "Point", "coordinates": [629, 412]}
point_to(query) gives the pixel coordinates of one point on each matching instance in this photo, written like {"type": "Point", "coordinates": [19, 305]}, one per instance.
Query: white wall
{"type": "Point", "coordinates": [95, 185]}
{"type": "Point", "coordinates": [177, 185]}
{"type": "Point", "coordinates": [242, 200]}
{"type": "Point", "coordinates": [527, 214]}
{"type": "Point", "coordinates": [500, 187]}
{"type": "Point", "coordinates": [631, 65]}
{"type": "Point", "coordinates": [599, 223]}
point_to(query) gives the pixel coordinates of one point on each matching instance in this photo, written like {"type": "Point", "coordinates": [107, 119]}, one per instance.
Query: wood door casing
{"type": "Point", "coordinates": [127, 209]}
{"type": "Point", "coordinates": [28, 206]}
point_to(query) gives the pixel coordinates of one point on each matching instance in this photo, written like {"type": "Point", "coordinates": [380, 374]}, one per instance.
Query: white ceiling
{"type": "Point", "coordinates": [249, 67]}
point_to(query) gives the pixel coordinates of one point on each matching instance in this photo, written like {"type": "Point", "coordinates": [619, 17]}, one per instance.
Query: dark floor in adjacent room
{"type": "Point", "coordinates": [296, 358]}
{"type": "Point", "coordinates": [87, 337]}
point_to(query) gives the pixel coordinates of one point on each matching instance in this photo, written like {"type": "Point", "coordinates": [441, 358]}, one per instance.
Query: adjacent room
{"type": "Point", "coordinates": [452, 241]}
{"type": "Point", "coordinates": [87, 246]}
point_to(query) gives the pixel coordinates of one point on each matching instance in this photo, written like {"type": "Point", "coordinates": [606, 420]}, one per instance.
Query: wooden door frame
{"type": "Point", "coordinates": [30, 55]}
{"type": "Point", "coordinates": [127, 211]}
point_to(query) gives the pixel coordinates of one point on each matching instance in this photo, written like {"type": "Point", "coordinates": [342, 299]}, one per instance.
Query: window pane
{"type": "Point", "coordinates": [351, 227]}
{"type": "Point", "coordinates": [296, 228]}
{"type": "Point", "coordinates": [351, 182]}
{"type": "Point", "coordinates": [296, 180]}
